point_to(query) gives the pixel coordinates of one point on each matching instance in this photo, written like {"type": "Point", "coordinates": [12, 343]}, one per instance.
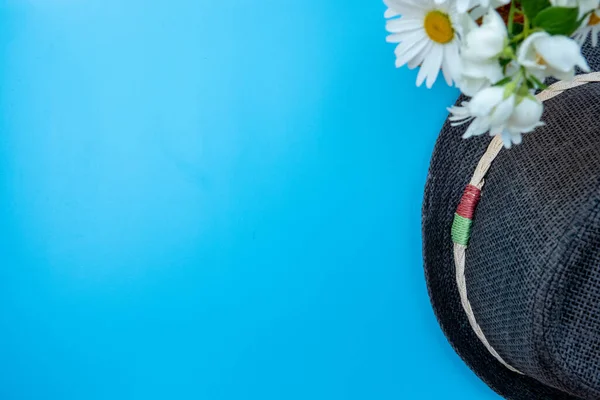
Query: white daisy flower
{"type": "Point", "coordinates": [463, 6]}
{"type": "Point", "coordinates": [544, 55]}
{"type": "Point", "coordinates": [492, 111]}
{"type": "Point", "coordinates": [591, 26]}
{"type": "Point", "coordinates": [428, 36]}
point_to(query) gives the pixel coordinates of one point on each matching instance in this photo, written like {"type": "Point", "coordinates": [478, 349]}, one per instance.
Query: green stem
{"type": "Point", "coordinates": [518, 38]}
{"type": "Point", "coordinates": [511, 16]}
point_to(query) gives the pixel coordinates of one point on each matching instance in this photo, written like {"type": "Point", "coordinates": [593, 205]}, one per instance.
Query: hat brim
{"type": "Point", "coordinates": [453, 162]}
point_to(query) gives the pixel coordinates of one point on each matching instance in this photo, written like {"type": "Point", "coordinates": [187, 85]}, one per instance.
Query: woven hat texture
{"type": "Point", "coordinates": [533, 263]}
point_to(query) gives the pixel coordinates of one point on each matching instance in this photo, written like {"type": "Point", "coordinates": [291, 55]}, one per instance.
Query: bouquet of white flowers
{"type": "Point", "coordinates": [498, 52]}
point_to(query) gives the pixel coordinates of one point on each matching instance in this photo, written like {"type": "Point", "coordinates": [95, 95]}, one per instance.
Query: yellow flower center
{"type": "Point", "coordinates": [594, 19]}
{"type": "Point", "coordinates": [438, 27]}
{"type": "Point", "coordinates": [540, 60]}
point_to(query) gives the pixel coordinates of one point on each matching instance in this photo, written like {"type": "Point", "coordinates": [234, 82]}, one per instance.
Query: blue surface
{"type": "Point", "coordinates": [214, 200]}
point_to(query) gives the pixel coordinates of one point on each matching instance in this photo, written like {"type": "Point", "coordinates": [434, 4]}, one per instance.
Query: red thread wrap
{"type": "Point", "coordinates": [468, 202]}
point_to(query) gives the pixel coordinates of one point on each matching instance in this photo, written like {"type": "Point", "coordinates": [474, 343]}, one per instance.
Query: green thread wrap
{"type": "Point", "coordinates": [461, 230]}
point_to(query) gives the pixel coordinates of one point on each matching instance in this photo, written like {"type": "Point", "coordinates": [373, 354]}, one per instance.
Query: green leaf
{"type": "Point", "coordinates": [517, 28]}
{"type": "Point", "coordinates": [530, 85]}
{"type": "Point", "coordinates": [558, 20]}
{"type": "Point", "coordinates": [533, 7]}
{"type": "Point", "coordinates": [504, 62]}
{"type": "Point", "coordinates": [523, 90]}
{"type": "Point", "coordinates": [539, 84]}
{"type": "Point", "coordinates": [503, 81]}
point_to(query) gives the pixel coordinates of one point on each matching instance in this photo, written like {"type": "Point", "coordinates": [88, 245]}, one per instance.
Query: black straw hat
{"type": "Point", "coordinates": [532, 266]}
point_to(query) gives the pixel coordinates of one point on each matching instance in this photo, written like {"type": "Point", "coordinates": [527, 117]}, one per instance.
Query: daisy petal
{"type": "Point", "coordinates": [409, 54]}
{"type": "Point", "coordinates": [434, 64]}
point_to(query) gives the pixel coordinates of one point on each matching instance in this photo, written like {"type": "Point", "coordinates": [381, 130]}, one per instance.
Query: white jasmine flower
{"type": "Point", "coordinates": [463, 6]}
{"type": "Point", "coordinates": [488, 110]}
{"type": "Point", "coordinates": [478, 76]}
{"type": "Point", "coordinates": [428, 36]}
{"type": "Point", "coordinates": [486, 42]}
{"type": "Point", "coordinates": [544, 55]}
{"type": "Point", "coordinates": [480, 54]}
{"type": "Point", "coordinates": [524, 119]}
{"type": "Point", "coordinates": [491, 110]}
{"type": "Point", "coordinates": [585, 6]}
{"type": "Point", "coordinates": [591, 26]}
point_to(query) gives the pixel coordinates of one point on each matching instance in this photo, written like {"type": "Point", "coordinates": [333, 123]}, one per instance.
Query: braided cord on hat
{"type": "Point", "coordinates": [463, 219]}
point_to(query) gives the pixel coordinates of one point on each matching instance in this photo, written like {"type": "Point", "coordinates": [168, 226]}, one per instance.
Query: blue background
{"type": "Point", "coordinates": [214, 200]}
